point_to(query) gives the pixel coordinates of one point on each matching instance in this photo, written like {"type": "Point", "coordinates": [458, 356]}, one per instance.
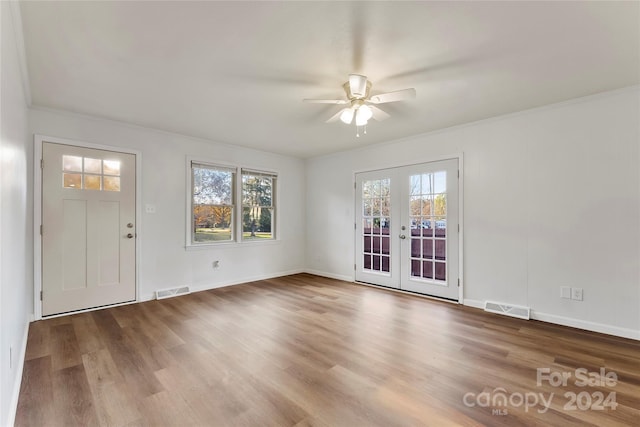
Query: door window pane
{"type": "Point", "coordinates": [72, 163]}
{"type": "Point", "coordinates": [92, 182]}
{"type": "Point", "coordinates": [92, 165]}
{"type": "Point", "coordinates": [376, 221]}
{"type": "Point", "coordinates": [111, 183]}
{"type": "Point", "coordinates": [72, 180]}
{"type": "Point", "coordinates": [428, 210]}
{"type": "Point", "coordinates": [112, 167]}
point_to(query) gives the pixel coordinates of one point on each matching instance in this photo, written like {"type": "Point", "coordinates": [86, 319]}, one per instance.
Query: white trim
{"type": "Point", "coordinates": [216, 285]}
{"type": "Point", "coordinates": [15, 394]}
{"type": "Point", "coordinates": [586, 325]}
{"type": "Point", "coordinates": [38, 140]}
{"type": "Point", "coordinates": [16, 16]}
{"type": "Point", "coordinates": [571, 322]}
{"type": "Point", "coordinates": [474, 303]}
{"type": "Point", "coordinates": [344, 278]}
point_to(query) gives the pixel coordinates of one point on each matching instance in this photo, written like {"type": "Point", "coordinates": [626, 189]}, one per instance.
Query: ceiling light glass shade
{"type": "Point", "coordinates": [347, 115]}
{"type": "Point", "coordinates": [363, 115]}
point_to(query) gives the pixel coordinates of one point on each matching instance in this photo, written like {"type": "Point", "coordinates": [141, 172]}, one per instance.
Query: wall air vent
{"type": "Point", "coordinates": [507, 309]}
{"type": "Point", "coordinates": [174, 292]}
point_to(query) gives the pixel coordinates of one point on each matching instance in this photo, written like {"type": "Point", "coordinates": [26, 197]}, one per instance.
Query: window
{"type": "Point", "coordinates": [85, 173]}
{"type": "Point", "coordinates": [258, 205]}
{"type": "Point", "coordinates": [212, 203]}
{"type": "Point", "coordinates": [216, 217]}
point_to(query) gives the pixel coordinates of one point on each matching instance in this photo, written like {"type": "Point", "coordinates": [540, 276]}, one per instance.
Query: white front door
{"type": "Point", "coordinates": [407, 228]}
{"type": "Point", "coordinates": [88, 228]}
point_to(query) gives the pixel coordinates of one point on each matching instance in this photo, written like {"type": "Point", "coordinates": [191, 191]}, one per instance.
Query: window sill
{"type": "Point", "coordinates": [229, 245]}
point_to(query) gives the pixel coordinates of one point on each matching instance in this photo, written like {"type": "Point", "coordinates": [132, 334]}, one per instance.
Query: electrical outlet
{"type": "Point", "coordinates": [576, 294]}
{"type": "Point", "coordinates": [565, 292]}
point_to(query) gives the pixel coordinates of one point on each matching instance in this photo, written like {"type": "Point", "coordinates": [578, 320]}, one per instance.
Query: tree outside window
{"type": "Point", "coordinates": [258, 205]}
{"type": "Point", "coordinates": [212, 203]}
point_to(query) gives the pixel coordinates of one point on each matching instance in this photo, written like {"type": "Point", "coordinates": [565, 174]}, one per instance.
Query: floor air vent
{"type": "Point", "coordinates": [168, 293]}
{"type": "Point", "coordinates": [507, 309]}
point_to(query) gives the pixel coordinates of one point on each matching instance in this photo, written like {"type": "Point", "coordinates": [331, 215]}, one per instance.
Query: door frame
{"type": "Point", "coordinates": [38, 141]}
{"type": "Point", "coordinates": [460, 157]}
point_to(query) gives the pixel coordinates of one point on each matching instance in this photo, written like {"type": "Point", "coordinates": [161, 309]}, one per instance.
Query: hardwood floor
{"type": "Point", "coordinates": [304, 350]}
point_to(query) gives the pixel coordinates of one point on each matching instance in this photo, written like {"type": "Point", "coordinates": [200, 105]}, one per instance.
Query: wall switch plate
{"type": "Point", "coordinates": [576, 294]}
{"type": "Point", "coordinates": [565, 292]}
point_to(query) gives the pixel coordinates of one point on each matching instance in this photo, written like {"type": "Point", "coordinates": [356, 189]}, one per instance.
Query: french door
{"type": "Point", "coordinates": [407, 228]}
{"type": "Point", "coordinates": [88, 228]}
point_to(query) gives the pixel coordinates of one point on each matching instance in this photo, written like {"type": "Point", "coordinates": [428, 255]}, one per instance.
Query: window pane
{"type": "Point", "coordinates": [212, 223]}
{"type": "Point", "coordinates": [415, 185]}
{"type": "Point", "coordinates": [71, 164]}
{"type": "Point", "coordinates": [440, 206]}
{"type": "Point", "coordinates": [441, 252]}
{"type": "Point", "coordinates": [440, 182]}
{"type": "Point", "coordinates": [211, 186]}
{"type": "Point", "coordinates": [111, 183]}
{"type": "Point", "coordinates": [258, 206]}
{"type": "Point", "coordinates": [92, 166]}
{"type": "Point", "coordinates": [427, 187]}
{"type": "Point", "coordinates": [92, 182]}
{"type": "Point", "coordinates": [441, 271]}
{"type": "Point", "coordinates": [112, 167]}
{"type": "Point", "coordinates": [72, 180]}
{"type": "Point", "coordinates": [257, 223]}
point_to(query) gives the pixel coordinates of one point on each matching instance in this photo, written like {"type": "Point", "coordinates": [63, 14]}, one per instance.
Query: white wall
{"type": "Point", "coordinates": [551, 198]}
{"type": "Point", "coordinates": [16, 248]}
{"type": "Point", "coordinates": [164, 261]}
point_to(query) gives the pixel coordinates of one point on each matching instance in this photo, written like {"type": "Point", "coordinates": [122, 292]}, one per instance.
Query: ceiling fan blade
{"type": "Point", "coordinates": [399, 95]}
{"type": "Point", "coordinates": [336, 116]}
{"type": "Point", "coordinates": [326, 101]}
{"type": "Point", "coordinates": [378, 114]}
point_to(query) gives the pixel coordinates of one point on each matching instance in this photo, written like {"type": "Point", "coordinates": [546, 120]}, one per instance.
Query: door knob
{"type": "Point", "coordinates": [129, 236]}
{"type": "Point", "coordinates": [402, 236]}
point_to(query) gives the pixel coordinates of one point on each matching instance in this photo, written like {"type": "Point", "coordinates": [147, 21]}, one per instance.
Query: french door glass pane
{"type": "Point", "coordinates": [376, 222]}
{"type": "Point", "coordinates": [428, 210]}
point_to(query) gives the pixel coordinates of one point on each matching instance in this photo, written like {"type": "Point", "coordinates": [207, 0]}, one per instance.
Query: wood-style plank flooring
{"type": "Point", "coordinates": [304, 350]}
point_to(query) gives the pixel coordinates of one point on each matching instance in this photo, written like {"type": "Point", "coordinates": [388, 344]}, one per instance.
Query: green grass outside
{"type": "Point", "coordinates": [224, 234]}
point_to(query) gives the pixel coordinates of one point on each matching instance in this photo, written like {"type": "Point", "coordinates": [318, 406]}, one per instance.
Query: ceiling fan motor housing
{"type": "Point", "coordinates": [357, 87]}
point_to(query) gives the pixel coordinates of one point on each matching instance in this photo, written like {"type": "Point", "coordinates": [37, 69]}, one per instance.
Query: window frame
{"type": "Point", "coordinates": [237, 206]}
{"type": "Point", "coordinates": [273, 207]}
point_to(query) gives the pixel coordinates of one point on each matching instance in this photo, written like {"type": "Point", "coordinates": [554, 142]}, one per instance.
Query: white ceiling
{"type": "Point", "coordinates": [236, 72]}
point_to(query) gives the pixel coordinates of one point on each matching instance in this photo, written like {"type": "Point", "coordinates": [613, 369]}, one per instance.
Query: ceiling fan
{"type": "Point", "coordinates": [362, 105]}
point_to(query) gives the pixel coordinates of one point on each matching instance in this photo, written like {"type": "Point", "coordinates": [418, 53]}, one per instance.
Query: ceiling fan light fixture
{"type": "Point", "coordinates": [347, 115]}
{"type": "Point", "coordinates": [363, 115]}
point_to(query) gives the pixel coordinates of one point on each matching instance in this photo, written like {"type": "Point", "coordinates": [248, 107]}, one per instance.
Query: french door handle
{"type": "Point", "coordinates": [402, 236]}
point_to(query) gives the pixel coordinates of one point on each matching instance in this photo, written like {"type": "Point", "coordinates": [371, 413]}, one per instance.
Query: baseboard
{"type": "Point", "coordinates": [15, 395]}
{"type": "Point", "coordinates": [573, 323]}
{"type": "Point", "coordinates": [588, 326]}
{"type": "Point", "coordinates": [329, 275]}
{"type": "Point", "coordinates": [216, 285]}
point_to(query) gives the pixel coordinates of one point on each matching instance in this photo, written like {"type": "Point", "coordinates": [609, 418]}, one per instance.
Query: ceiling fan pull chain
{"type": "Point", "coordinates": [365, 128]}
{"type": "Point", "coordinates": [357, 131]}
